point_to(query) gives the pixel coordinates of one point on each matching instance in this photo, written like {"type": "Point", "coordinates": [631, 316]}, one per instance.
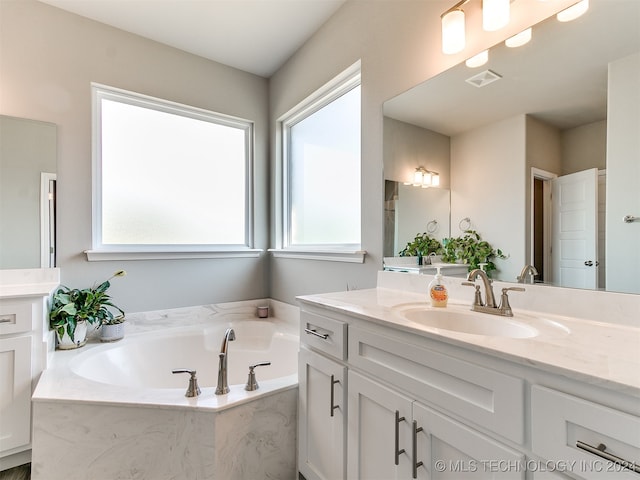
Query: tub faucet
{"type": "Point", "coordinates": [527, 270]}
{"type": "Point", "coordinates": [223, 384]}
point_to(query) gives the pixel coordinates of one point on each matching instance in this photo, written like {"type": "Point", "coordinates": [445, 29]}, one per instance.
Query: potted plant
{"type": "Point", "coordinates": [422, 245]}
{"type": "Point", "coordinates": [73, 309]}
{"type": "Point", "coordinates": [470, 249]}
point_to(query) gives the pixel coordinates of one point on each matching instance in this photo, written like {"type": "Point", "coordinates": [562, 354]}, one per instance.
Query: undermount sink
{"type": "Point", "coordinates": [469, 322]}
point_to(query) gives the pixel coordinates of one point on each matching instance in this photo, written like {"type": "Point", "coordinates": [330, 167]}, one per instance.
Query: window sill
{"type": "Point", "coordinates": [349, 256]}
{"type": "Point", "coordinates": [106, 255]}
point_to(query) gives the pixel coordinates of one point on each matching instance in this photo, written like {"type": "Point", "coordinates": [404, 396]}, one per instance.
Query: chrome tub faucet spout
{"type": "Point", "coordinates": [223, 383]}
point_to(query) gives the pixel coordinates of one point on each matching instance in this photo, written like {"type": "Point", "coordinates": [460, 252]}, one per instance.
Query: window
{"type": "Point", "coordinates": [168, 178]}
{"type": "Point", "coordinates": [321, 170]}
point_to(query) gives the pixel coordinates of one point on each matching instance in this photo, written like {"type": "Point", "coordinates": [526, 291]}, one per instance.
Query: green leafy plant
{"type": "Point", "coordinates": [422, 245]}
{"type": "Point", "coordinates": [93, 305]}
{"type": "Point", "coordinates": [470, 249]}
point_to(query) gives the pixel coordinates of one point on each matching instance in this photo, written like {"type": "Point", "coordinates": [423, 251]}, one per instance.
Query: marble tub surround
{"type": "Point", "coordinates": [110, 431]}
{"type": "Point", "coordinates": [585, 349]}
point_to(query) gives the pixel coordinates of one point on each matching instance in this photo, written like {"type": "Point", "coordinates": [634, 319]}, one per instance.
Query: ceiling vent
{"type": "Point", "coordinates": [483, 79]}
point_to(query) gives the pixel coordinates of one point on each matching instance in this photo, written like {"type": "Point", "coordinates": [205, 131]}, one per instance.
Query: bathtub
{"type": "Point", "coordinates": [119, 412]}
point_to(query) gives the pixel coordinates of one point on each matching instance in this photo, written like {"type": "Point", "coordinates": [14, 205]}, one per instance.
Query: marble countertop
{"type": "Point", "coordinates": [598, 353]}
{"type": "Point", "coordinates": [28, 282]}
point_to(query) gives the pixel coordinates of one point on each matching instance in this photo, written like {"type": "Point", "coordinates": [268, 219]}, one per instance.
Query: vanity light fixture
{"type": "Point", "coordinates": [453, 29]}
{"type": "Point", "coordinates": [424, 178]}
{"type": "Point", "coordinates": [519, 39]}
{"type": "Point", "coordinates": [478, 60]}
{"type": "Point", "coordinates": [495, 14]}
{"type": "Point", "coordinates": [573, 11]}
{"type": "Point", "coordinates": [418, 176]}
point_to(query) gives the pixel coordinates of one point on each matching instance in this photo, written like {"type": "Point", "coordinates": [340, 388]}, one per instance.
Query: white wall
{"type": "Point", "coordinates": [48, 58]}
{"type": "Point", "coordinates": [584, 147]}
{"type": "Point", "coordinates": [623, 175]}
{"type": "Point", "coordinates": [488, 176]}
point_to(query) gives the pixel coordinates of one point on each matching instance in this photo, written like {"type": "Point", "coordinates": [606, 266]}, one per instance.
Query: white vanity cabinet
{"type": "Point", "coordinates": [420, 406]}
{"type": "Point", "coordinates": [322, 377]}
{"type": "Point", "coordinates": [23, 355]}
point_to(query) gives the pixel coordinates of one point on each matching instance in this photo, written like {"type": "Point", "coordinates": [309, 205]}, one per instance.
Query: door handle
{"type": "Point", "coordinates": [333, 407]}
{"type": "Point", "coordinates": [588, 263]}
{"type": "Point", "coordinates": [416, 463]}
{"type": "Point", "coordinates": [397, 451]}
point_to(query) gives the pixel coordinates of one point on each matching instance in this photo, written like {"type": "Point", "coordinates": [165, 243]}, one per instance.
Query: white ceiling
{"type": "Point", "coordinates": [256, 36]}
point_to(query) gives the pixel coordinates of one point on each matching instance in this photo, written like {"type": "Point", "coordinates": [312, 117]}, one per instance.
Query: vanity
{"type": "Point", "coordinates": [392, 388]}
{"type": "Point", "coordinates": [25, 345]}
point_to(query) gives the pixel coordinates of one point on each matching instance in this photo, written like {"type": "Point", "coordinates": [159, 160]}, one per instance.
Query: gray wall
{"type": "Point", "coordinates": [48, 58]}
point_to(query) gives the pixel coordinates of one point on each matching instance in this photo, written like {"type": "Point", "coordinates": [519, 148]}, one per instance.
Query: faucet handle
{"type": "Point", "coordinates": [477, 300]}
{"type": "Point", "coordinates": [193, 390]}
{"type": "Point", "coordinates": [252, 384]}
{"type": "Point", "coordinates": [505, 308]}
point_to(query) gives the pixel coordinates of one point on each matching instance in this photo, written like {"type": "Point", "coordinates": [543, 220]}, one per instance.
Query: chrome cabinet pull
{"type": "Point", "coordinates": [601, 452]}
{"type": "Point", "coordinates": [323, 336]}
{"type": "Point", "coordinates": [333, 382]}
{"type": "Point", "coordinates": [416, 464]}
{"type": "Point", "coordinates": [397, 450]}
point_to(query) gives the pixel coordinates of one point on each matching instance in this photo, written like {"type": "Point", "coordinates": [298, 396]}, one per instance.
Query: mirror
{"type": "Point", "coordinates": [564, 103]}
{"type": "Point", "coordinates": [28, 150]}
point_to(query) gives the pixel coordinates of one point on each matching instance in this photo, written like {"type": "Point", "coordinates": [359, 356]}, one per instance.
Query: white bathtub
{"type": "Point", "coordinates": [147, 361]}
{"type": "Point", "coordinates": [121, 413]}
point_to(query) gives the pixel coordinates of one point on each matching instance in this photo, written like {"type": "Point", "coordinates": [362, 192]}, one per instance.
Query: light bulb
{"type": "Point", "coordinates": [478, 60]}
{"type": "Point", "coordinates": [495, 14]}
{"type": "Point", "coordinates": [453, 32]}
{"type": "Point", "coordinates": [519, 39]}
{"type": "Point", "coordinates": [573, 12]}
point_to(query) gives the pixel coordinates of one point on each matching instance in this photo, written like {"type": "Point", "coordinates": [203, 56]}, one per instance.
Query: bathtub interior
{"type": "Point", "coordinates": [146, 360]}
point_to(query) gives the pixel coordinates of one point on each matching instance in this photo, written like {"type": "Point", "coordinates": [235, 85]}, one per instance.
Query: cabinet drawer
{"type": "Point", "coordinates": [16, 315]}
{"type": "Point", "coordinates": [560, 422]}
{"type": "Point", "coordinates": [485, 397]}
{"type": "Point", "coordinates": [324, 334]}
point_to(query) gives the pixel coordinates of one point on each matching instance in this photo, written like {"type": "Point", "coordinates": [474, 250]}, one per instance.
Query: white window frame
{"type": "Point", "coordinates": [353, 253]}
{"type": "Point", "coordinates": [101, 251]}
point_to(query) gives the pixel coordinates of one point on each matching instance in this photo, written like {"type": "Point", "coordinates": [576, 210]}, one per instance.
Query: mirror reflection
{"type": "Point", "coordinates": [543, 161]}
{"type": "Point", "coordinates": [28, 150]}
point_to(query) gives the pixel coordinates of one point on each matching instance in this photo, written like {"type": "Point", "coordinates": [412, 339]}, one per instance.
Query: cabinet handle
{"type": "Point", "coordinates": [601, 452]}
{"type": "Point", "coordinates": [323, 336]}
{"type": "Point", "coordinates": [6, 320]}
{"type": "Point", "coordinates": [397, 450]}
{"type": "Point", "coordinates": [333, 382]}
{"type": "Point", "coordinates": [416, 464]}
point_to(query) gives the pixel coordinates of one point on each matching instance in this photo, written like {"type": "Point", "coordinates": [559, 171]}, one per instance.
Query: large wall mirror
{"type": "Point", "coordinates": [540, 148]}
{"type": "Point", "coordinates": [28, 153]}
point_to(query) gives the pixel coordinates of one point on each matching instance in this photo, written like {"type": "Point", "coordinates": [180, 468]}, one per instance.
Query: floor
{"type": "Point", "coordinates": [23, 472]}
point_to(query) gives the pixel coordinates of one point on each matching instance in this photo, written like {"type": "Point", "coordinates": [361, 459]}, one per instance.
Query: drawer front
{"type": "Point", "coordinates": [324, 334]}
{"type": "Point", "coordinates": [16, 316]}
{"type": "Point", "coordinates": [564, 428]}
{"type": "Point", "coordinates": [483, 396]}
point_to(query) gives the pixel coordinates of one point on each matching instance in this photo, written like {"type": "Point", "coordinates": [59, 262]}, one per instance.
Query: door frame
{"type": "Point", "coordinates": [545, 177]}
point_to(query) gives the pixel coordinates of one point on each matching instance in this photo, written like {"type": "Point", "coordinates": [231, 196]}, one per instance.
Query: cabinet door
{"type": "Point", "coordinates": [321, 417]}
{"type": "Point", "coordinates": [451, 450]}
{"type": "Point", "coordinates": [15, 393]}
{"type": "Point", "coordinates": [378, 431]}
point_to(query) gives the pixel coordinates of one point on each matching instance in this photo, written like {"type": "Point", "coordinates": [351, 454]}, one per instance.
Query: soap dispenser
{"type": "Point", "coordinates": [437, 291]}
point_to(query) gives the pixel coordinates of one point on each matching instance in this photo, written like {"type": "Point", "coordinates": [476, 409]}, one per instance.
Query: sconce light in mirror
{"type": "Point", "coordinates": [424, 178]}
{"type": "Point", "coordinates": [478, 60]}
{"type": "Point", "coordinates": [495, 14]}
{"type": "Point", "coordinates": [519, 39]}
{"type": "Point", "coordinates": [573, 11]}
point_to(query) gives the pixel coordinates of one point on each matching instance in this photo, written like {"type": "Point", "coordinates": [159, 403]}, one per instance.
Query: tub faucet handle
{"type": "Point", "coordinates": [252, 384]}
{"type": "Point", "coordinates": [193, 390]}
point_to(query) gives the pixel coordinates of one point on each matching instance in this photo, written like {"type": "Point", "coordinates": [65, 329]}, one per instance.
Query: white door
{"type": "Point", "coordinates": [321, 413]}
{"type": "Point", "coordinates": [574, 254]}
{"type": "Point", "coordinates": [379, 432]}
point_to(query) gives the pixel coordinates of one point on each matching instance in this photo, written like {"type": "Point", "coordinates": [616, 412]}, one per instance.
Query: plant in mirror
{"type": "Point", "coordinates": [555, 125]}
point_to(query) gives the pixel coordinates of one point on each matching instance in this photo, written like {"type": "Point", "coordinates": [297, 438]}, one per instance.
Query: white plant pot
{"type": "Point", "coordinates": [112, 333]}
{"type": "Point", "coordinates": [78, 340]}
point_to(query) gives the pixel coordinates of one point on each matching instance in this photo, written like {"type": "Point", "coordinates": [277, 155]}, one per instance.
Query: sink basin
{"type": "Point", "coordinates": [469, 322]}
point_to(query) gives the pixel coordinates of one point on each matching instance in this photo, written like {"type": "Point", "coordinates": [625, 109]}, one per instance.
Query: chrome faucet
{"type": "Point", "coordinates": [504, 309]}
{"type": "Point", "coordinates": [527, 270]}
{"type": "Point", "coordinates": [223, 384]}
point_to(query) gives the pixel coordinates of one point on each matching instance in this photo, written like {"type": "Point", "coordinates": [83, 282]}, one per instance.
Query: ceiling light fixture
{"type": "Point", "coordinates": [573, 11]}
{"type": "Point", "coordinates": [495, 14]}
{"type": "Point", "coordinates": [478, 60]}
{"type": "Point", "coordinates": [519, 39]}
{"type": "Point", "coordinates": [453, 30]}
